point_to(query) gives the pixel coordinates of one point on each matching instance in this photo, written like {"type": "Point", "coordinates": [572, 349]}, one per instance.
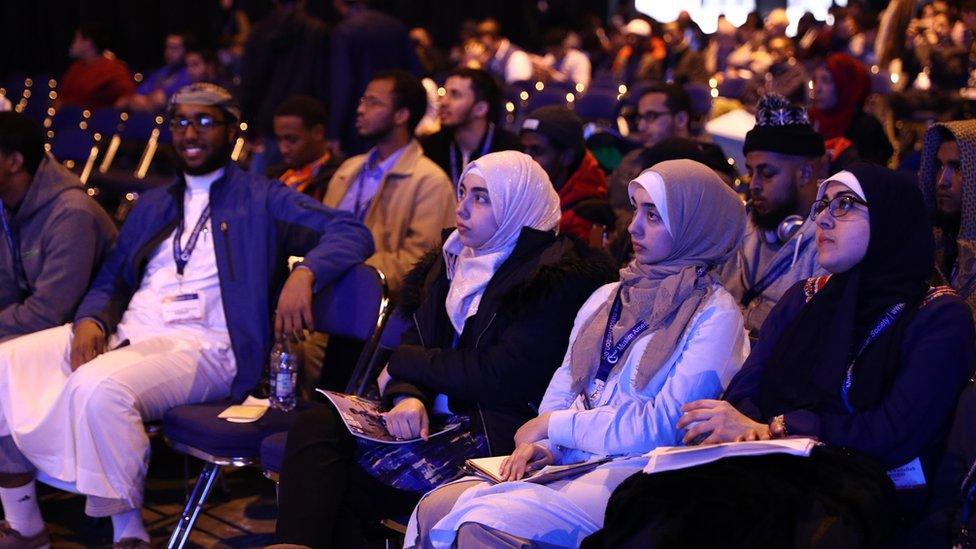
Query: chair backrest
{"type": "Point", "coordinates": [37, 106]}
{"type": "Point", "coordinates": [357, 306]}
{"type": "Point", "coordinates": [597, 104]}
{"type": "Point", "coordinates": [139, 126]}
{"type": "Point", "coordinates": [66, 116]}
{"type": "Point", "coordinates": [545, 98]}
{"type": "Point", "coordinates": [71, 144]}
{"type": "Point", "coordinates": [105, 121]}
{"type": "Point", "coordinates": [395, 327]}
{"type": "Point", "coordinates": [353, 305]}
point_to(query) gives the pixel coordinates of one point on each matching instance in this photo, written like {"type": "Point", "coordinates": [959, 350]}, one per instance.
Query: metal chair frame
{"type": "Point", "coordinates": [211, 470]}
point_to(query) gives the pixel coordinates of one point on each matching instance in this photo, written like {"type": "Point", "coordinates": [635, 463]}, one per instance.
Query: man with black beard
{"type": "Point", "coordinates": [404, 199]}
{"type": "Point", "coordinates": [785, 160]}
{"type": "Point", "coordinates": [180, 312]}
{"type": "Point", "coordinates": [948, 180]}
{"type": "Point", "coordinates": [468, 112]}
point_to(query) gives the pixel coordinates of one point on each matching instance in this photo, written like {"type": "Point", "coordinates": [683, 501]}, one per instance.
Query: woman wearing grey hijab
{"type": "Point", "coordinates": [664, 335]}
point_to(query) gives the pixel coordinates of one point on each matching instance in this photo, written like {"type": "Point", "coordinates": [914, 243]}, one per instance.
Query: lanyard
{"type": "Point", "coordinates": [182, 256]}
{"type": "Point", "coordinates": [13, 242]}
{"type": "Point", "coordinates": [771, 276]}
{"type": "Point", "coordinates": [485, 146]}
{"type": "Point", "coordinates": [611, 352]}
{"type": "Point", "coordinates": [886, 321]}
{"type": "Point", "coordinates": [359, 209]}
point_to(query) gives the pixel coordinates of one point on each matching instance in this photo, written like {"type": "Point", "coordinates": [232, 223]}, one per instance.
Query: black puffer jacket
{"type": "Point", "coordinates": [510, 348]}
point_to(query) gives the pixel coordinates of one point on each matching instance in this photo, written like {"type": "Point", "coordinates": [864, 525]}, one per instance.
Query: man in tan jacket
{"type": "Point", "coordinates": [402, 196]}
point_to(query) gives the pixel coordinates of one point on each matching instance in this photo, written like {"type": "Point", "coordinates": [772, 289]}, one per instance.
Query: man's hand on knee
{"type": "Point", "coordinates": [88, 342]}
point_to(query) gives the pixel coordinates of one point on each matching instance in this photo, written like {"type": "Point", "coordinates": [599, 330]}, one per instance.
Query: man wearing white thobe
{"type": "Point", "coordinates": [174, 317]}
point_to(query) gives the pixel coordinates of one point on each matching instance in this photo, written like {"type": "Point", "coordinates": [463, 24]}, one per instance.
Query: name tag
{"type": "Point", "coordinates": [909, 475]}
{"type": "Point", "coordinates": [183, 308]}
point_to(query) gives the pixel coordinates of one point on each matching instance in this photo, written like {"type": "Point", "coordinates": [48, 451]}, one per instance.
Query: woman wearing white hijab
{"type": "Point", "coordinates": [490, 316]}
{"type": "Point", "coordinates": [664, 335]}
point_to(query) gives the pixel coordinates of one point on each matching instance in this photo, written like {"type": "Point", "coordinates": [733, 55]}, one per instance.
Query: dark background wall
{"type": "Point", "coordinates": [35, 34]}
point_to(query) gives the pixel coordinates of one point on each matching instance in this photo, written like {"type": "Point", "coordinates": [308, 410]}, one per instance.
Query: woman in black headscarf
{"type": "Point", "coordinates": [869, 359]}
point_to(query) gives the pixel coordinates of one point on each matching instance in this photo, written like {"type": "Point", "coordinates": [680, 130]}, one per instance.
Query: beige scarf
{"type": "Point", "coordinates": [706, 220]}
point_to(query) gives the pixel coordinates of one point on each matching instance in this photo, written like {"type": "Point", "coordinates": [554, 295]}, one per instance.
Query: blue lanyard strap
{"type": "Point", "coordinates": [771, 276]}
{"type": "Point", "coordinates": [611, 352]}
{"type": "Point", "coordinates": [360, 208]}
{"type": "Point", "coordinates": [883, 324]}
{"type": "Point", "coordinates": [182, 256]}
{"type": "Point", "coordinates": [485, 147]}
{"type": "Point", "coordinates": [13, 242]}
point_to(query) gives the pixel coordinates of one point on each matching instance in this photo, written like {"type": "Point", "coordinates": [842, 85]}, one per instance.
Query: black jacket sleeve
{"type": "Point", "coordinates": [514, 368]}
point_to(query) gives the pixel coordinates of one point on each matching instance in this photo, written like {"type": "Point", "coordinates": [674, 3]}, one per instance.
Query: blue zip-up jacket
{"type": "Point", "coordinates": [258, 223]}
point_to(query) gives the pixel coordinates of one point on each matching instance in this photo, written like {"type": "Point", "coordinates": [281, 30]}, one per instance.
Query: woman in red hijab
{"type": "Point", "coordinates": [840, 87]}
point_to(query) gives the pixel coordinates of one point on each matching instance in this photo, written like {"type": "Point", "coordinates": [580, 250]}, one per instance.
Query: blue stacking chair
{"type": "Point", "coordinates": [273, 447]}
{"type": "Point", "coordinates": [67, 116]}
{"type": "Point", "coordinates": [356, 306]}
{"type": "Point", "coordinates": [597, 105]}
{"type": "Point", "coordinates": [548, 96]}
{"type": "Point", "coordinates": [105, 121]}
{"type": "Point", "coordinates": [71, 144]}
{"type": "Point", "coordinates": [138, 126]}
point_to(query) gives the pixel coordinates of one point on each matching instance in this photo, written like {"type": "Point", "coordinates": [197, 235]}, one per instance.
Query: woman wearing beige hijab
{"type": "Point", "coordinates": [664, 335]}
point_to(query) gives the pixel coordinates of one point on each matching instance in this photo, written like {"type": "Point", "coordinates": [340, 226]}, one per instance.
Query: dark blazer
{"type": "Point", "coordinates": [510, 348]}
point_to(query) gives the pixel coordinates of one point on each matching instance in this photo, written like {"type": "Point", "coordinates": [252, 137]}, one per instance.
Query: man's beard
{"type": "Point", "coordinates": [378, 134]}
{"type": "Point", "coordinates": [216, 160]}
{"type": "Point", "coordinates": [462, 120]}
{"type": "Point", "coordinates": [770, 221]}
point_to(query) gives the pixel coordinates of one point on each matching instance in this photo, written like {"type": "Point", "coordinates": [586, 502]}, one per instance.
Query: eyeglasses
{"type": "Point", "coordinates": [838, 206]}
{"type": "Point", "coordinates": [370, 102]}
{"type": "Point", "coordinates": [651, 116]}
{"type": "Point", "coordinates": [199, 122]}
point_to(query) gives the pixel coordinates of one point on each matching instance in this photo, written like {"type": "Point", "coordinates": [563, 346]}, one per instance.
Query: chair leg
{"type": "Point", "coordinates": [202, 489]}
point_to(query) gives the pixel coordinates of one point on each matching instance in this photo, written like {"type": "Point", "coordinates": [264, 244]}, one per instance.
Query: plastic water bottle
{"type": "Point", "coordinates": [283, 367]}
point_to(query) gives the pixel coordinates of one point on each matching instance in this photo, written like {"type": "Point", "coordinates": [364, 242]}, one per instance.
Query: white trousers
{"type": "Point", "coordinates": [85, 428]}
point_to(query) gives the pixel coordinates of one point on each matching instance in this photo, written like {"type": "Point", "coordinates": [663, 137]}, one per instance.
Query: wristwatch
{"type": "Point", "coordinates": [777, 427]}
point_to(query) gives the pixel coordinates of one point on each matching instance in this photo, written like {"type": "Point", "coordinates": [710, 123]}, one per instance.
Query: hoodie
{"type": "Point", "coordinates": [955, 254]}
{"type": "Point", "coordinates": [63, 236]}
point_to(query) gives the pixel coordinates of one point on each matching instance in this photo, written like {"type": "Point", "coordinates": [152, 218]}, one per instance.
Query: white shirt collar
{"type": "Point", "coordinates": [201, 183]}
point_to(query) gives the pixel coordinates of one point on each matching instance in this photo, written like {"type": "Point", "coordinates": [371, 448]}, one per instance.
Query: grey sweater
{"type": "Point", "coordinates": [63, 236]}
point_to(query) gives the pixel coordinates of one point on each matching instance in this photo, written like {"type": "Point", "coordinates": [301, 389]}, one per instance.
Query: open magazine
{"type": "Point", "coordinates": [489, 469]}
{"type": "Point", "coordinates": [669, 458]}
{"type": "Point", "coordinates": [364, 419]}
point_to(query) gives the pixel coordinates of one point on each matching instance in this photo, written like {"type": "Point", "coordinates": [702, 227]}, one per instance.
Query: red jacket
{"type": "Point", "coordinates": [588, 181]}
{"type": "Point", "coordinates": [97, 84]}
